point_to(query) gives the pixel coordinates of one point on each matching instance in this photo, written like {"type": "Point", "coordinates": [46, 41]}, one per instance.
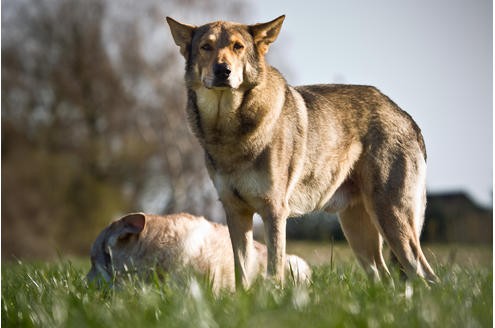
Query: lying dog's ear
{"type": "Point", "coordinates": [182, 34]}
{"type": "Point", "coordinates": [134, 223]}
{"type": "Point", "coordinates": [265, 33]}
{"type": "Point", "coordinates": [130, 225]}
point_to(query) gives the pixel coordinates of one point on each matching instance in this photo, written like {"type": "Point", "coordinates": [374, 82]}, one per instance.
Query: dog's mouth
{"type": "Point", "coordinates": [99, 276]}
{"type": "Point", "coordinates": [215, 83]}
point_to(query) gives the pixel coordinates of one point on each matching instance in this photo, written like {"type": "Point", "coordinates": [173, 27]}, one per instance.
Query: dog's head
{"type": "Point", "coordinates": [115, 246]}
{"type": "Point", "coordinates": [224, 54]}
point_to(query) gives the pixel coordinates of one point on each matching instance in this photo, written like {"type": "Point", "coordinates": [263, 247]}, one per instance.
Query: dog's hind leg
{"type": "Point", "coordinates": [365, 240]}
{"type": "Point", "coordinates": [405, 245]}
{"type": "Point", "coordinates": [396, 205]}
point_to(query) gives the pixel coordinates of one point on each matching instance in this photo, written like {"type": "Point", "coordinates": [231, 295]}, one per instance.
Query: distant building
{"type": "Point", "coordinates": [454, 217]}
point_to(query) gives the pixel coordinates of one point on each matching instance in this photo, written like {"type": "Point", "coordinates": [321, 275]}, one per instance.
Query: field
{"type": "Point", "coordinates": [56, 295]}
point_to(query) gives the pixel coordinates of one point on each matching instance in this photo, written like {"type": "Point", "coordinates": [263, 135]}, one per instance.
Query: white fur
{"type": "Point", "coordinates": [298, 269]}
{"type": "Point", "coordinates": [236, 78]}
{"type": "Point", "coordinates": [419, 196]}
{"type": "Point", "coordinates": [217, 103]}
{"type": "Point", "coordinates": [195, 240]}
{"type": "Point", "coordinates": [208, 102]}
{"type": "Point", "coordinates": [212, 37]}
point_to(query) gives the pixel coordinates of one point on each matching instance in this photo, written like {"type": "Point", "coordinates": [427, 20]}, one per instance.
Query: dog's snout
{"type": "Point", "coordinates": [221, 71]}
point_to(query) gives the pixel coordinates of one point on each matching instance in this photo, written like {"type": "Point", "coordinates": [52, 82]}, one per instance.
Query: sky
{"type": "Point", "coordinates": [433, 58]}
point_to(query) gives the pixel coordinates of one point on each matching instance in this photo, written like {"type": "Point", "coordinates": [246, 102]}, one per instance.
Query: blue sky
{"type": "Point", "coordinates": [433, 58]}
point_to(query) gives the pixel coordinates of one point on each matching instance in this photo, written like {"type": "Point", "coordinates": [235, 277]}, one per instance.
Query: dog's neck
{"type": "Point", "coordinates": [241, 119]}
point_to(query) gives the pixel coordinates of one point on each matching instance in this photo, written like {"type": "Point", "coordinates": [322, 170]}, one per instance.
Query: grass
{"type": "Point", "coordinates": [56, 295]}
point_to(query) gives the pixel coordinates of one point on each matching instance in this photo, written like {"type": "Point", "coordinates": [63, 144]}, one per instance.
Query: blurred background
{"type": "Point", "coordinates": [93, 108]}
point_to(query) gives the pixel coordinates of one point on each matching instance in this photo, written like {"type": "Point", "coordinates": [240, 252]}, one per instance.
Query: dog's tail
{"type": "Point", "coordinates": [298, 269]}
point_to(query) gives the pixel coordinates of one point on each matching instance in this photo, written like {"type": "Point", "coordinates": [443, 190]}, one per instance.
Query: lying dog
{"type": "Point", "coordinates": [282, 151]}
{"type": "Point", "coordinates": [175, 242]}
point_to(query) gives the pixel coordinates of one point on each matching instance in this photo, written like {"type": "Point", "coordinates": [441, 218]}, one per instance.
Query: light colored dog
{"type": "Point", "coordinates": [140, 242]}
{"type": "Point", "coordinates": [282, 151]}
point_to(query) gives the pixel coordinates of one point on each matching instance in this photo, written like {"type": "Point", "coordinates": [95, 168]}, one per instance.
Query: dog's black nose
{"type": "Point", "coordinates": [221, 71]}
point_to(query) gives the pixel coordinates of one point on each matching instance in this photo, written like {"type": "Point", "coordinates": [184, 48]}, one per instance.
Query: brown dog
{"type": "Point", "coordinates": [171, 243]}
{"type": "Point", "coordinates": [282, 151]}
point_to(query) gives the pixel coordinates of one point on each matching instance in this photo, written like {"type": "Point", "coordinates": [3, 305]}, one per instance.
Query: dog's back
{"type": "Point", "coordinates": [362, 110]}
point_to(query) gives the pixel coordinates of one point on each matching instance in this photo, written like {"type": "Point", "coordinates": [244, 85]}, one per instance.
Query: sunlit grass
{"type": "Point", "coordinates": [56, 295]}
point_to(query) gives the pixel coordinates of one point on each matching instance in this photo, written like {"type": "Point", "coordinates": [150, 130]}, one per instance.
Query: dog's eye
{"type": "Point", "coordinates": [238, 46]}
{"type": "Point", "coordinates": [207, 47]}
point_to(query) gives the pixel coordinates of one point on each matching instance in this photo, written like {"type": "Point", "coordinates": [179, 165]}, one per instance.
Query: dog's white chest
{"type": "Point", "coordinates": [217, 105]}
{"type": "Point", "coordinates": [208, 102]}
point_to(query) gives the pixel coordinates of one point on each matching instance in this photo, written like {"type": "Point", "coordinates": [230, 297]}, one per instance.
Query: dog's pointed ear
{"type": "Point", "coordinates": [265, 33]}
{"type": "Point", "coordinates": [129, 225]}
{"type": "Point", "coordinates": [182, 34]}
{"type": "Point", "coordinates": [134, 223]}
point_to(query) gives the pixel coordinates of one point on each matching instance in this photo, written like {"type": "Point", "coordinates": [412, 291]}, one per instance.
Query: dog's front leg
{"type": "Point", "coordinates": [240, 225]}
{"type": "Point", "coordinates": [275, 241]}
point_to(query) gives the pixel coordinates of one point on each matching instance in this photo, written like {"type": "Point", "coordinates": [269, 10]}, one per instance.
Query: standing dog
{"type": "Point", "coordinates": [141, 242]}
{"type": "Point", "coordinates": [282, 151]}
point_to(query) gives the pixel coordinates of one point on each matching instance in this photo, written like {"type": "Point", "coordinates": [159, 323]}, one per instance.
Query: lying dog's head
{"type": "Point", "coordinates": [113, 249]}
{"type": "Point", "coordinates": [224, 54]}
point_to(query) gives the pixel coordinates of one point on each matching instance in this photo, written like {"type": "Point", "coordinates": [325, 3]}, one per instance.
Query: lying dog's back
{"type": "Point", "coordinates": [173, 243]}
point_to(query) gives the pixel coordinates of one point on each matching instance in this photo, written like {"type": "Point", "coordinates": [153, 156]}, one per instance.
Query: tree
{"type": "Point", "coordinates": [93, 123]}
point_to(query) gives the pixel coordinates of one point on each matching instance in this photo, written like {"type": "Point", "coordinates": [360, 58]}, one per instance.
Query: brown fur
{"type": "Point", "coordinates": [141, 242]}
{"type": "Point", "coordinates": [282, 151]}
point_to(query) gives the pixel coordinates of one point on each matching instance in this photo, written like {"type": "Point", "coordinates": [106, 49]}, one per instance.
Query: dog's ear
{"type": "Point", "coordinates": [134, 223]}
{"type": "Point", "coordinates": [130, 225]}
{"type": "Point", "coordinates": [265, 33]}
{"type": "Point", "coordinates": [182, 34]}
